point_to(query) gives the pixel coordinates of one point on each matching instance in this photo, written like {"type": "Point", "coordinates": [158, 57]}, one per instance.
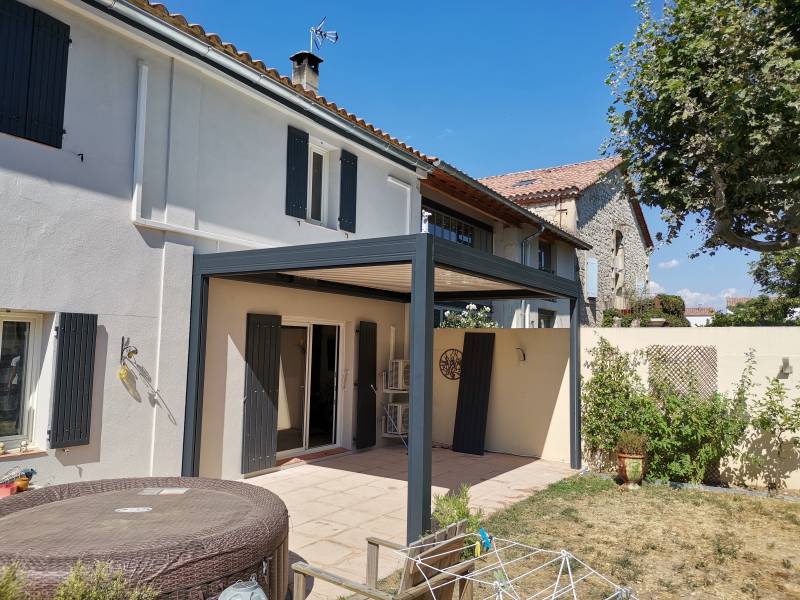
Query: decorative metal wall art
{"type": "Point", "coordinates": [450, 363]}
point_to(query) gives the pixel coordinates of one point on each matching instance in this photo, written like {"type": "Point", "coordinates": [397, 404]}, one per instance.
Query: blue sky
{"type": "Point", "coordinates": [490, 87]}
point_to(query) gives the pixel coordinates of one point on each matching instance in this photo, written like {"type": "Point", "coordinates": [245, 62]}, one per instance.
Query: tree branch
{"type": "Point", "coordinates": [723, 224]}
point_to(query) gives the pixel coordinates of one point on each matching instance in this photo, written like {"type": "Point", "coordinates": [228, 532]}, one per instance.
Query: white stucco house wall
{"type": "Point", "coordinates": [163, 143]}
{"type": "Point", "coordinates": [590, 199]}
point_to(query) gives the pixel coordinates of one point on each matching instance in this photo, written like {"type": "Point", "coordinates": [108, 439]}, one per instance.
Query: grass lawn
{"type": "Point", "coordinates": [665, 543]}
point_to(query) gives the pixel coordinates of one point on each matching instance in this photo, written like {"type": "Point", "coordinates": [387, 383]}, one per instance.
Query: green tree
{"type": "Point", "coordinates": [759, 311]}
{"type": "Point", "coordinates": [706, 113]}
{"type": "Point", "coordinates": [778, 273]}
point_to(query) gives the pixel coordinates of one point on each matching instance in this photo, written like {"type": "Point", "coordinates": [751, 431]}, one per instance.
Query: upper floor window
{"type": "Point", "coordinates": [33, 77]}
{"type": "Point", "coordinates": [317, 185]}
{"type": "Point", "coordinates": [307, 181]}
{"type": "Point", "coordinates": [446, 224]}
{"type": "Point", "coordinates": [546, 251]}
{"type": "Point", "coordinates": [547, 319]}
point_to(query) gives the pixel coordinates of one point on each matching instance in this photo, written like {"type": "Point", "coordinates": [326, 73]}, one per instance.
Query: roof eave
{"type": "Point", "coordinates": [138, 17]}
{"type": "Point", "coordinates": [522, 212]}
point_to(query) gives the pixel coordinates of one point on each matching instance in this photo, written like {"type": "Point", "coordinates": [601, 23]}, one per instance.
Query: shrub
{"type": "Point", "coordinates": [685, 432]}
{"type": "Point", "coordinates": [100, 584]}
{"type": "Point", "coordinates": [772, 450]}
{"type": "Point", "coordinates": [614, 400]}
{"type": "Point", "coordinates": [453, 507]}
{"type": "Point", "coordinates": [695, 433]}
{"type": "Point", "coordinates": [609, 315]}
{"type": "Point", "coordinates": [471, 317]}
{"type": "Point", "coordinates": [631, 442]}
{"type": "Point", "coordinates": [671, 305]}
{"type": "Point", "coordinates": [12, 583]}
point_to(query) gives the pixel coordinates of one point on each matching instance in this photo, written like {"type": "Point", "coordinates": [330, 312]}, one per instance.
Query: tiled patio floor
{"type": "Point", "coordinates": [336, 503]}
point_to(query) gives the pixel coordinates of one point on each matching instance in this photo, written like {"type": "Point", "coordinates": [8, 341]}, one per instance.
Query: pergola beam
{"type": "Point", "coordinates": [424, 252]}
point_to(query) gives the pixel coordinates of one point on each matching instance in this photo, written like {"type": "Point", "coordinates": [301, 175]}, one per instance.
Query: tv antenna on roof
{"type": "Point", "coordinates": [319, 36]}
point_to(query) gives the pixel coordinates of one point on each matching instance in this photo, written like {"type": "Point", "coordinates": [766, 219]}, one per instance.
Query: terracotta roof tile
{"type": "Point", "coordinates": [564, 180]}
{"type": "Point", "coordinates": [698, 311]}
{"type": "Point", "coordinates": [732, 301]}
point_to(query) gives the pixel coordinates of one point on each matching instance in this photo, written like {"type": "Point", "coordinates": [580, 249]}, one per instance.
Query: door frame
{"type": "Point", "coordinates": [308, 323]}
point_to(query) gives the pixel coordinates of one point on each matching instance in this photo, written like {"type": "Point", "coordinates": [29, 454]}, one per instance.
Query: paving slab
{"type": "Point", "coordinates": [337, 502]}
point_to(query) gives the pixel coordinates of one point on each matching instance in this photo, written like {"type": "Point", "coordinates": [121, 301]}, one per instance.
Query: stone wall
{"type": "Point", "coordinates": [603, 209]}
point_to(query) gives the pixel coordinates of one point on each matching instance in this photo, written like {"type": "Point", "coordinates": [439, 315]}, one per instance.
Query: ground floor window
{"type": "Point", "coordinates": [547, 318]}
{"type": "Point", "coordinates": [18, 335]}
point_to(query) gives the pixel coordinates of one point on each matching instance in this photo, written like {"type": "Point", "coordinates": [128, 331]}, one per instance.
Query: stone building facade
{"type": "Point", "coordinates": [592, 200]}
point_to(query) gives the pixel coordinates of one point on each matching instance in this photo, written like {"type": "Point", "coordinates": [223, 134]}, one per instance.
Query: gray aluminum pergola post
{"type": "Point", "coordinates": [575, 382]}
{"type": "Point", "coordinates": [421, 409]}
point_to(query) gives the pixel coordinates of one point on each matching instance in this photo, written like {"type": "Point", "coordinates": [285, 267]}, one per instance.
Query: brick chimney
{"type": "Point", "coordinates": [305, 70]}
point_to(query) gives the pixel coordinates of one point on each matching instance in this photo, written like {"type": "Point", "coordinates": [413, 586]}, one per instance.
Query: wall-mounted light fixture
{"type": "Point", "coordinates": [786, 369]}
{"type": "Point", "coordinates": [521, 355]}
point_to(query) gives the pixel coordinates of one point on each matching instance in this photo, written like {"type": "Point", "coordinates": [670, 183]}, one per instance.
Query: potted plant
{"type": "Point", "coordinates": [631, 454]}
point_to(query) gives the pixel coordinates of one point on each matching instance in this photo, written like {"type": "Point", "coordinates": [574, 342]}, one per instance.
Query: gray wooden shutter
{"type": "Point", "coordinates": [262, 372]}
{"type": "Point", "coordinates": [366, 422]}
{"type": "Point", "coordinates": [72, 398]}
{"type": "Point", "coordinates": [296, 173]}
{"type": "Point", "coordinates": [469, 431]}
{"type": "Point", "coordinates": [44, 121]}
{"type": "Point", "coordinates": [347, 191]}
{"type": "Point", "coordinates": [16, 31]}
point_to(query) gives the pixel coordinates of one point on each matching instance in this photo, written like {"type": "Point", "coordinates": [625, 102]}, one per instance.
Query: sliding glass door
{"type": "Point", "coordinates": [307, 398]}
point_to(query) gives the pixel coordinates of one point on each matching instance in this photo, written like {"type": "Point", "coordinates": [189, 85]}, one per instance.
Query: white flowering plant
{"type": "Point", "coordinates": [471, 317]}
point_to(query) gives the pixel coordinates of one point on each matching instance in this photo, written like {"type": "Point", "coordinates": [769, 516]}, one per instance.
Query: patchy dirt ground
{"type": "Point", "coordinates": [665, 543]}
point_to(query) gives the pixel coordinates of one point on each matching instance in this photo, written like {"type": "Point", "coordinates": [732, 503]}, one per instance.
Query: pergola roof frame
{"type": "Point", "coordinates": [424, 252]}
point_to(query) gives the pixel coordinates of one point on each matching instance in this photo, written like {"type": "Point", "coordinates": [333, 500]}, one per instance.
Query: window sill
{"type": "Point", "coordinates": [16, 454]}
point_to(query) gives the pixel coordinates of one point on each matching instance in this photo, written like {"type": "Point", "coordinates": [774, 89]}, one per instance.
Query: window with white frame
{"type": "Point", "coordinates": [547, 319]}
{"type": "Point", "coordinates": [19, 342]}
{"type": "Point", "coordinates": [317, 184]}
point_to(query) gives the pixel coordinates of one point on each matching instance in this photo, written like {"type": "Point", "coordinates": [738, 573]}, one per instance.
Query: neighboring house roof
{"type": "Point", "coordinates": [732, 301]}
{"type": "Point", "coordinates": [493, 201]}
{"type": "Point", "coordinates": [563, 181]}
{"type": "Point", "coordinates": [698, 311]}
{"type": "Point", "coordinates": [473, 192]}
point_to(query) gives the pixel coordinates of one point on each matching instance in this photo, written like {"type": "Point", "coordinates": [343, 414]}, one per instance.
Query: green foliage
{"type": "Point", "coordinates": [631, 442]}
{"type": "Point", "coordinates": [685, 433]}
{"type": "Point", "coordinates": [758, 312]}
{"type": "Point", "coordinates": [453, 507]}
{"type": "Point", "coordinates": [12, 583]}
{"type": "Point", "coordinates": [772, 451]}
{"type": "Point", "coordinates": [471, 317]}
{"type": "Point", "coordinates": [671, 305]}
{"type": "Point", "coordinates": [614, 400]}
{"type": "Point", "coordinates": [693, 434]}
{"type": "Point", "coordinates": [609, 315]}
{"type": "Point", "coordinates": [100, 584]}
{"type": "Point", "coordinates": [706, 113]}
{"type": "Point", "coordinates": [778, 273]}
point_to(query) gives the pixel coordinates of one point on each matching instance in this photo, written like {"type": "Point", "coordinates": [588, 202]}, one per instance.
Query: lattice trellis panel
{"type": "Point", "coordinates": [684, 368]}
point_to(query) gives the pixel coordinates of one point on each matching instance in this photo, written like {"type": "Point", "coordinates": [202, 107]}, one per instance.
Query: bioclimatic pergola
{"type": "Point", "coordinates": [417, 269]}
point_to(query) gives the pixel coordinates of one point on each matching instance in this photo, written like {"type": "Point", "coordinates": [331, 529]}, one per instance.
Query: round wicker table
{"type": "Point", "coordinates": [189, 538]}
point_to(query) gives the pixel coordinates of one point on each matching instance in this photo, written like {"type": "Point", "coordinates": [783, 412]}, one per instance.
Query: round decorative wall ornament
{"type": "Point", "coordinates": [450, 363]}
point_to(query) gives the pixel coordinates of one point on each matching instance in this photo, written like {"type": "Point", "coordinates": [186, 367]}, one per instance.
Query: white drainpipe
{"type": "Point", "coordinates": [524, 309]}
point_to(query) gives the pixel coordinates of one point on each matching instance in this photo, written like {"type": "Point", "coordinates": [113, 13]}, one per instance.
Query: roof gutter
{"type": "Point", "coordinates": [526, 214]}
{"type": "Point", "coordinates": [147, 21]}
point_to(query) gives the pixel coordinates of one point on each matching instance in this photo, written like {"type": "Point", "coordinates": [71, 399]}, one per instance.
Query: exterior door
{"type": "Point", "coordinates": [262, 371]}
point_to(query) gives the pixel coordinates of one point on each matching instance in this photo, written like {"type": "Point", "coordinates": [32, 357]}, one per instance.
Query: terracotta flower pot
{"type": "Point", "coordinates": [631, 469]}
